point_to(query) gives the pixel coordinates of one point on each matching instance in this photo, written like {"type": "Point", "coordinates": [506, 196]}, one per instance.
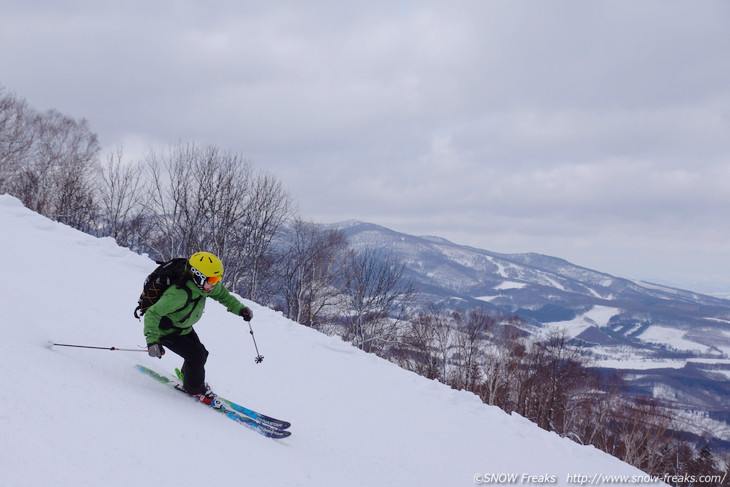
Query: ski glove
{"type": "Point", "coordinates": [247, 313]}
{"type": "Point", "coordinates": [155, 350]}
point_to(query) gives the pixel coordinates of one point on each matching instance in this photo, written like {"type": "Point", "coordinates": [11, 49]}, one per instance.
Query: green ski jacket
{"type": "Point", "coordinates": [177, 310]}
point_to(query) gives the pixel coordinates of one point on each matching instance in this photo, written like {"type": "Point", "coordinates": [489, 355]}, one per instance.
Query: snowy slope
{"type": "Point", "coordinates": [75, 417]}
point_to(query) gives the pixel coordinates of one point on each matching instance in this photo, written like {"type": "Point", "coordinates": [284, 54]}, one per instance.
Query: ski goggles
{"type": "Point", "coordinates": [201, 279]}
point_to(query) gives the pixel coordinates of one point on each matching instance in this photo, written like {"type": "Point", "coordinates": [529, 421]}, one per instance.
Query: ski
{"type": "Point", "coordinates": [255, 415]}
{"type": "Point", "coordinates": [221, 407]}
{"type": "Point", "coordinates": [258, 417]}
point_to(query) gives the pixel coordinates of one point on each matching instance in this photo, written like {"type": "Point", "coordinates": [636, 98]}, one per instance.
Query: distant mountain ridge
{"type": "Point", "coordinates": [627, 324]}
{"type": "Point", "coordinates": [527, 281]}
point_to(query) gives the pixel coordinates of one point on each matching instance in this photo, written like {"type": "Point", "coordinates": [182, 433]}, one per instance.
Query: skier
{"type": "Point", "coordinates": [169, 322]}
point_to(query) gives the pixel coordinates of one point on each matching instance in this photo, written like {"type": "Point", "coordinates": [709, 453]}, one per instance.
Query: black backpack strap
{"type": "Point", "coordinates": [167, 273]}
{"type": "Point", "coordinates": [187, 303]}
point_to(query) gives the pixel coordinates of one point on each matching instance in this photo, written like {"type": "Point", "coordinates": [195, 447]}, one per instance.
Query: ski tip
{"type": "Point", "coordinates": [276, 434]}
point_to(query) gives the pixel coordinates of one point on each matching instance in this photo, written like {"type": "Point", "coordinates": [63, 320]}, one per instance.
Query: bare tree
{"type": "Point", "coordinates": [207, 198]}
{"type": "Point", "coordinates": [641, 431]}
{"type": "Point", "coordinates": [309, 270]}
{"type": "Point", "coordinates": [266, 208]}
{"type": "Point", "coordinates": [56, 179]}
{"type": "Point", "coordinates": [470, 348]}
{"type": "Point", "coordinates": [495, 373]}
{"type": "Point", "coordinates": [16, 137]}
{"type": "Point", "coordinates": [376, 296]}
{"type": "Point", "coordinates": [562, 376]}
{"type": "Point", "coordinates": [48, 161]}
{"type": "Point", "coordinates": [423, 347]}
{"type": "Point", "coordinates": [198, 197]}
{"type": "Point", "coordinates": [122, 201]}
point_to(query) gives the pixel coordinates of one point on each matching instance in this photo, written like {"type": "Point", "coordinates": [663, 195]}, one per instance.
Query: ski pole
{"type": "Point", "coordinates": [259, 358]}
{"type": "Point", "coordinates": [52, 344]}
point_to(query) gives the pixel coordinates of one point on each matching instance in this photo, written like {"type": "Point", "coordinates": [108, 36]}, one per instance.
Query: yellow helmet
{"type": "Point", "coordinates": [205, 268]}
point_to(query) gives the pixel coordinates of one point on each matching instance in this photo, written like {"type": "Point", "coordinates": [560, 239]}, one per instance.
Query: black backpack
{"type": "Point", "coordinates": [166, 274]}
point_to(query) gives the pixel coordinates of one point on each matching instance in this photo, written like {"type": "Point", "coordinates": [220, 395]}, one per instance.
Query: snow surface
{"type": "Point", "coordinates": [596, 316]}
{"type": "Point", "coordinates": [510, 285]}
{"type": "Point", "coordinates": [78, 417]}
{"type": "Point", "coordinates": [673, 338]}
{"type": "Point", "coordinates": [639, 363]}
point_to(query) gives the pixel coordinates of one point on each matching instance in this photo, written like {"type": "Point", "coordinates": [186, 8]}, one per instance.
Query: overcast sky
{"type": "Point", "coordinates": [596, 131]}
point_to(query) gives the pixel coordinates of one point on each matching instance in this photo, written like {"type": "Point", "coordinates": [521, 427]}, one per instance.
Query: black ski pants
{"type": "Point", "coordinates": [194, 355]}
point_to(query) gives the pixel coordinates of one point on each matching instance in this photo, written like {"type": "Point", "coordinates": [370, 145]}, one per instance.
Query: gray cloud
{"type": "Point", "coordinates": [594, 131]}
